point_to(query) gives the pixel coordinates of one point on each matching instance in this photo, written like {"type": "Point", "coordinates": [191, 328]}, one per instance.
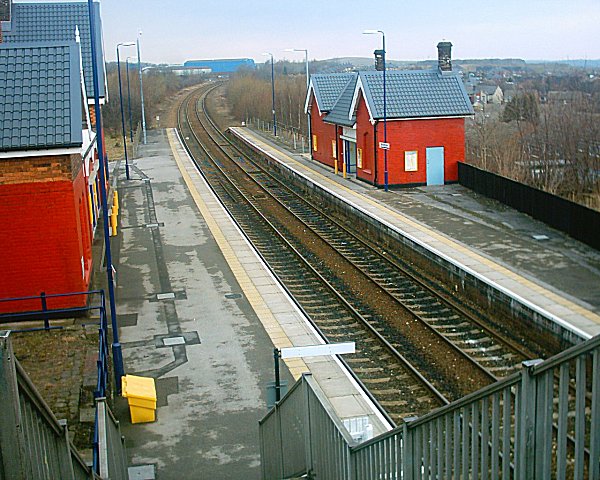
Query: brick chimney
{"type": "Point", "coordinates": [379, 60]}
{"type": "Point", "coordinates": [5, 7]}
{"type": "Point", "coordinates": [445, 56]}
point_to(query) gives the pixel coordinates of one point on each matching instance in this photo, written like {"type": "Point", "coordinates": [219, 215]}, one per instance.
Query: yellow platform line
{"type": "Point", "coordinates": [263, 312]}
{"type": "Point", "coordinates": [448, 242]}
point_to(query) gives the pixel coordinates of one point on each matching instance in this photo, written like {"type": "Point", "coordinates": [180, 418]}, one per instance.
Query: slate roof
{"type": "Point", "coordinates": [415, 93]}
{"type": "Point", "coordinates": [340, 113]}
{"type": "Point", "coordinates": [328, 87]}
{"type": "Point", "coordinates": [40, 96]}
{"type": "Point", "coordinates": [56, 22]}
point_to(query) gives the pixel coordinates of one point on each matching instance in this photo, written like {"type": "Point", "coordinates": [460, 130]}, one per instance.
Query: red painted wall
{"type": "Point", "coordinates": [44, 233]}
{"type": "Point", "coordinates": [325, 133]}
{"type": "Point", "coordinates": [365, 141]}
{"type": "Point", "coordinates": [409, 135]}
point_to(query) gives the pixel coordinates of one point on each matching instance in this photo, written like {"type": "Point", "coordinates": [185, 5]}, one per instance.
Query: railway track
{"type": "Point", "coordinates": [402, 335]}
{"type": "Point", "coordinates": [402, 388]}
{"type": "Point", "coordinates": [395, 383]}
{"type": "Point", "coordinates": [456, 353]}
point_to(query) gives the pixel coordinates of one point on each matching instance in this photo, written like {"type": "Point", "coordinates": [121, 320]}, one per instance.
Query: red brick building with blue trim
{"type": "Point", "coordinates": [425, 112]}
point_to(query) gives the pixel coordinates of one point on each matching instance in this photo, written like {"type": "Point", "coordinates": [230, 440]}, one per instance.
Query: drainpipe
{"type": "Point", "coordinates": [375, 152]}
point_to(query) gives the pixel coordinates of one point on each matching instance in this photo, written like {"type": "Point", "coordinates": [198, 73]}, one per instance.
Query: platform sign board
{"type": "Point", "coordinates": [308, 351]}
{"type": "Point", "coordinates": [384, 145]}
{"type": "Point", "coordinates": [318, 350]}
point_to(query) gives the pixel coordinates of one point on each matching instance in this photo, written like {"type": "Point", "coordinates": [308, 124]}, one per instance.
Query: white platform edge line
{"type": "Point", "coordinates": [343, 368]}
{"type": "Point", "coordinates": [506, 291]}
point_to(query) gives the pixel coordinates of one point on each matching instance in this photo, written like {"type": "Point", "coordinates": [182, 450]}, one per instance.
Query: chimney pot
{"type": "Point", "coordinates": [445, 56]}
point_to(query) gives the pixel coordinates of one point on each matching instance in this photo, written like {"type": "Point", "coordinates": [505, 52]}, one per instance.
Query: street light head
{"type": "Point", "coordinates": [372, 32]}
{"type": "Point", "coordinates": [126, 44]}
{"type": "Point", "coordinates": [267, 53]}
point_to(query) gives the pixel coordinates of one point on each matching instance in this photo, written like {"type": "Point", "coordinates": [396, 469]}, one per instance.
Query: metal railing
{"type": "Point", "coordinates": [33, 443]}
{"type": "Point", "coordinates": [109, 458]}
{"type": "Point", "coordinates": [112, 458]}
{"type": "Point", "coordinates": [292, 137]}
{"type": "Point", "coordinates": [542, 422]}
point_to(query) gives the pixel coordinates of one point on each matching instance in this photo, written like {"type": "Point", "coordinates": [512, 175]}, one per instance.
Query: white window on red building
{"type": "Point", "coordinates": [410, 161]}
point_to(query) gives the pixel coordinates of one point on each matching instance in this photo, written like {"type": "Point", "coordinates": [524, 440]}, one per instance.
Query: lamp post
{"type": "Point", "coordinates": [130, 44]}
{"type": "Point", "coordinates": [385, 150]}
{"type": "Point", "coordinates": [141, 87]}
{"type": "Point", "coordinates": [116, 346]}
{"type": "Point", "coordinates": [273, 93]}
{"type": "Point", "coordinates": [129, 99]}
{"type": "Point", "coordinates": [307, 85]}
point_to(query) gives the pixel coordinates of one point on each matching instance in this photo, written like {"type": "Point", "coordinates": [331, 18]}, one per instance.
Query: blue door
{"type": "Point", "coordinates": [435, 165]}
{"type": "Point", "coordinates": [350, 156]}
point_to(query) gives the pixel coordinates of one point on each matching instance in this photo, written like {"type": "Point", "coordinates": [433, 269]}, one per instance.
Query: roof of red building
{"type": "Point", "coordinates": [56, 22]}
{"type": "Point", "coordinates": [413, 94]}
{"type": "Point", "coordinates": [40, 96]}
{"type": "Point", "coordinates": [327, 88]}
{"type": "Point", "coordinates": [341, 114]}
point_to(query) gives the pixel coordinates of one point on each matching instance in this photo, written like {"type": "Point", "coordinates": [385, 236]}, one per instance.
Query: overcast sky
{"type": "Point", "coordinates": [179, 30]}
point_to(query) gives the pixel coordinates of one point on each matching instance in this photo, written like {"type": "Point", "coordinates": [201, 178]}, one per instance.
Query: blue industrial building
{"type": "Point", "coordinates": [221, 65]}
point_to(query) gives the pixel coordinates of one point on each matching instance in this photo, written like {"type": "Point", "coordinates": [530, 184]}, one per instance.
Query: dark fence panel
{"type": "Point", "coordinates": [579, 222]}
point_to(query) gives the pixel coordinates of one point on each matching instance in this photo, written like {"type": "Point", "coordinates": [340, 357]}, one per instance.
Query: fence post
{"type": "Point", "coordinates": [45, 310]}
{"type": "Point", "coordinates": [12, 448]}
{"type": "Point", "coordinates": [408, 465]}
{"type": "Point", "coordinates": [525, 434]}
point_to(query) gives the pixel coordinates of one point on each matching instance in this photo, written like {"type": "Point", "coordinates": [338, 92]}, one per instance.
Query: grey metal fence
{"type": "Point", "coordinates": [543, 422]}
{"type": "Point", "coordinates": [292, 137]}
{"type": "Point", "coordinates": [112, 458]}
{"type": "Point", "coordinates": [33, 443]}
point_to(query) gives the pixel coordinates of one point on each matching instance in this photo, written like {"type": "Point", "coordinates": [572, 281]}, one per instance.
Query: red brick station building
{"type": "Point", "coordinates": [49, 179]}
{"type": "Point", "coordinates": [425, 113]}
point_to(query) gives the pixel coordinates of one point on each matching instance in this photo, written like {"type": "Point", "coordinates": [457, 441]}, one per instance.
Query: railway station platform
{"type": "Point", "coordinates": [200, 313]}
{"type": "Point", "coordinates": [546, 271]}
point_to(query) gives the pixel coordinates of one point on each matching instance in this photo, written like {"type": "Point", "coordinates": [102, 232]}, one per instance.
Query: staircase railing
{"type": "Point", "coordinates": [542, 422]}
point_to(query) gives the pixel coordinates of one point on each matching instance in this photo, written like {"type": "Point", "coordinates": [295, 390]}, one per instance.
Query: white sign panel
{"type": "Point", "coordinates": [318, 350]}
{"type": "Point", "coordinates": [384, 145]}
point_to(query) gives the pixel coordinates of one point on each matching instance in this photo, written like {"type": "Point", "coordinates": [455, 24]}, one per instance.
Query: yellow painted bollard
{"type": "Point", "coordinates": [114, 214]}
{"type": "Point", "coordinates": [116, 201]}
{"type": "Point", "coordinates": [113, 222]}
{"type": "Point", "coordinates": [344, 169]}
{"type": "Point", "coordinates": [335, 166]}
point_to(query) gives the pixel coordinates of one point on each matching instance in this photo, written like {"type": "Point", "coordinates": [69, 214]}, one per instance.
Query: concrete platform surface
{"type": "Point", "coordinates": [200, 313]}
{"type": "Point", "coordinates": [558, 276]}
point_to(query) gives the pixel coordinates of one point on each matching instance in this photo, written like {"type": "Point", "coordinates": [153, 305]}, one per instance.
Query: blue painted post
{"type": "Point", "coordinates": [276, 356]}
{"type": "Point", "coordinates": [45, 310]}
{"type": "Point", "coordinates": [385, 152]}
{"type": "Point", "coordinates": [116, 346]}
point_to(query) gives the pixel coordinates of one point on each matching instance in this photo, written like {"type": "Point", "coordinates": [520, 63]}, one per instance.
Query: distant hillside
{"type": "Point", "coordinates": [578, 63]}
{"type": "Point", "coordinates": [369, 62]}
{"type": "Point", "coordinates": [464, 64]}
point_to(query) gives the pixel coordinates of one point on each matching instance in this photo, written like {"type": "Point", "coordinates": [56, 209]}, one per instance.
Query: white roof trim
{"type": "Point", "coordinates": [40, 153]}
{"type": "Point", "coordinates": [311, 91]}
{"type": "Point", "coordinates": [354, 105]}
